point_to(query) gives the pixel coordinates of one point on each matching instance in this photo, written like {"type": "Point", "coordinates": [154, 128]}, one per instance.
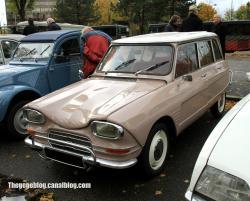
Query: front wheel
{"type": "Point", "coordinates": [156, 150]}
{"type": "Point", "coordinates": [15, 122]}
{"type": "Point", "coordinates": [218, 108]}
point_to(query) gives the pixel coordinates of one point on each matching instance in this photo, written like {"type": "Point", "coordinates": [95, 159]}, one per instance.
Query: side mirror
{"type": "Point", "coordinates": [188, 78]}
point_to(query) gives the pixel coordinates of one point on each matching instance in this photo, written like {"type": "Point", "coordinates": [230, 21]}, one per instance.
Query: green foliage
{"type": "Point", "coordinates": [76, 11]}
{"type": "Point", "coordinates": [143, 12]}
{"type": "Point", "coordinates": [20, 7]}
{"type": "Point", "coordinates": [229, 15]}
{"type": "Point", "coordinates": [243, 13]}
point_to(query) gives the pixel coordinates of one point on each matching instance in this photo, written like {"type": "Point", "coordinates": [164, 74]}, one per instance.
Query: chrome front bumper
{"type": "Point", "coordinates": [87, 161]}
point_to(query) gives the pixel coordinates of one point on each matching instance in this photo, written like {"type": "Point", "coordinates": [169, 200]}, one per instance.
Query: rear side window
{"type": "Point", "coordinates": [217, 52]}
{"type": "Point", "coordinates": [186, 60]}
{"type": "Point", "coordinates": [205, 53]}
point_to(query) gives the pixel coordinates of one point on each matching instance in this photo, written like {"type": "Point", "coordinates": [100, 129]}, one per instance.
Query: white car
{"type": "Point", "coordinates": [222, 170]}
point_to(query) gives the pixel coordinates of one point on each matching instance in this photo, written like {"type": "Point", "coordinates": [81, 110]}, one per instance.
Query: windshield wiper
{"type": "Point", "coordinates": [21, 58]}
{"type": "Point", "coordinates": [125, 64]}
{"type": "Point", "coordinates": [151, 67]}
{"type": "Point", "coordinates": [45, 50]}
{"type": "Point", "coordinates": [30, 52]}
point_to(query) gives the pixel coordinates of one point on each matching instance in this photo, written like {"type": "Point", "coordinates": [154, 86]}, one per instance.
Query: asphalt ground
{"type": "Point", "coordinates": [239, 63]}
{"type": "Point", "coordinates": [17, 161]}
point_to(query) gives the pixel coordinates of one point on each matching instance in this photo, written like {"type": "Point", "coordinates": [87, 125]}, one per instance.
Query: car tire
{"type": "Point", "coordinates": [155, 152]}
{"type": "Point", "coordinates": [217, 109]}
{"type": "Point", "coordinates": [15, 123]}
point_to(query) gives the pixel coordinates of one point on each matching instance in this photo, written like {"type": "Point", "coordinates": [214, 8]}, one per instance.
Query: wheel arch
{"type": "Point", "coordinates": [169, 122]}
{"type": "Point", "coordinates": [23, 95]}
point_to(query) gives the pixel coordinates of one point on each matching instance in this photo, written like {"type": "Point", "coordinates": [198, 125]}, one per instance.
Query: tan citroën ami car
{"type": "Point", "coordinates": [145, 91]}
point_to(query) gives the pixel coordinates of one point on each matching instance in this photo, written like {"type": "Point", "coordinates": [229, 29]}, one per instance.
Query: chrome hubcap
{"type": "Point", "coordinates": [158, 150]}
{"type": "Point", "coordinates": [20, 123]}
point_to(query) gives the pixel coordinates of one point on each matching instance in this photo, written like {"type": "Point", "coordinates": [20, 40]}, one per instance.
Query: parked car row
{"type": "Point", "coordinates": [146, 90]}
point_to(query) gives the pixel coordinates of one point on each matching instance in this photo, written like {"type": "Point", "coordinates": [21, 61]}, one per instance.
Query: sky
{"type": "Point", "coordinates": [222, 5]}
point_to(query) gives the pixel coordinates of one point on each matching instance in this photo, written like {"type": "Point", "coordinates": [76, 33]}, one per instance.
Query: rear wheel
{"type": "Point", "coordinates": [218, 108]}
{"type": "Point", "coordinates": [156, 149]}
{"type": "Point", "coordinates": [15, 121]}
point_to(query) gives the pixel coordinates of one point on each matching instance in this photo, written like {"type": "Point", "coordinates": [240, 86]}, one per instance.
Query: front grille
{"type": "Point", "coordinates": [70, 139]}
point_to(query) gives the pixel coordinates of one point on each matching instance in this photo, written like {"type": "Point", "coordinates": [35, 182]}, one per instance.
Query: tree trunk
{"type": "Point", "coordinates": [20, 5]}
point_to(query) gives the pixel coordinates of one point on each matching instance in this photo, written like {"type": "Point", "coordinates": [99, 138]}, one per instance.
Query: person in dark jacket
{"type": "Point", "coordinates": [30, 28]}
{"type": "Point", "coordinates": [192, 22]}
{"type": "Point", "coordinates": [174, 24]}
{"type": "Point", "coordinates": [52, 25]}
{"type": "Point", "coordinates": [94, 46]}
{"type": "Point", "coordinates": [220, 30]}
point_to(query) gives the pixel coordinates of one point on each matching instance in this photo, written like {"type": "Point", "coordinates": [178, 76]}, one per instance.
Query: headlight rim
{"type": "Point", "coordinates": [118, 127]}
{"type": "Point", "coordinates": [38, 112]}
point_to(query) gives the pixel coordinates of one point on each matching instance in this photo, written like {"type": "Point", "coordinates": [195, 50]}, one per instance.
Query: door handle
{"type": "Point", "coordinates": [204, 75]}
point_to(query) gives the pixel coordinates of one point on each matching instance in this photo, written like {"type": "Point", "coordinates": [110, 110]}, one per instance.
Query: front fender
{"type": "Point", "coordinates": [7, 93]}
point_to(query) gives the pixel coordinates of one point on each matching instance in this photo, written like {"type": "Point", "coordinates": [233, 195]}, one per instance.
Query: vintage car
{"type": "Point", "coordinates": [145, 91]}
{"type": "Point", "coordinates": [222, 169]}
{"type": "Point", "coordinates": [8, 44]}
{"type": "Point", "coordinates": [43, 62]}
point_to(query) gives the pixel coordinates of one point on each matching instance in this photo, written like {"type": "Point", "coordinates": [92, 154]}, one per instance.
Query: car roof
{"type": "Point", "coordinates": [48, 35]}
{"type": "Point", "coordinates": [17, 37]}
{"type": "Point", "coordinates": [167, 37]}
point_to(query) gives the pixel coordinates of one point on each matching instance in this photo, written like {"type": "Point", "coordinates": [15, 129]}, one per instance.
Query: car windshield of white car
{"type": "Point", "coordinates": [33, 51]}
{"type": "Point", "coordinates": [134, 59]}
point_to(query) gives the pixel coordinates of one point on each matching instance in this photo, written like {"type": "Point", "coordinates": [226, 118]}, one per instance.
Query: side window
{"type": "Point", "coordinates": [217, 52]}
{"type": "Point", "coordinates": [186, 60]}
{"type": "Point", "coordinates": [68, 50]}
{"type": "Point", "coordinates": [8, 48]}
{"type": "Point", "coordinates": [205, 53]}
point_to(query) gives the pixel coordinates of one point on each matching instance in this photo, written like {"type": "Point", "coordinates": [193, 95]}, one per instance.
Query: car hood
{"type": "Point", "coordinates": [73, 107]}
{"type": "Point", "coordinates": [231, 152]}
{"type": "Point", "coordinates": [10, 72]}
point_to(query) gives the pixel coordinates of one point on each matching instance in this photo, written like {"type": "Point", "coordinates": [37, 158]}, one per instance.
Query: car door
{"type": "Point", "coordinates": [189, 84]}
{"type": "Point", "coordinates": [65, 64]}
{"type": "Point", "coordinates": [220, 72]}
{"type": "Point", "coordinates": [213, 68]}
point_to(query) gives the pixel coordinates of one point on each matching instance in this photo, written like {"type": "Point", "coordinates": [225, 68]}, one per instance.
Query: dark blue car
{"type": "Point", "coordinates": [42, 63]}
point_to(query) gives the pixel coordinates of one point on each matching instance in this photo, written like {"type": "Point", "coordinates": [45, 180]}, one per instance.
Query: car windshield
{"type": "Point", "coordinates": [142, 59]}
{"type": "Point", "coordinates": [33, 51]}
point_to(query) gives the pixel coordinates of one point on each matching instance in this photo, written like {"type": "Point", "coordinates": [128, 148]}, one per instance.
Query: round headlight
{"type": "Point", "coordinates": [218, 185]}
{"type": "Point", "coordinates": [34, 116]}
{"type": "Point", "coordinates": [106, 130]}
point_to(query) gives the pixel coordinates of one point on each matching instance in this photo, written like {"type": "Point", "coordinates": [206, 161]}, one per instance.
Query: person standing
{"type": "Point", "coordinates": [94, 46]}
{"type": "Point", "coordinates": [52, 25]}
{"type": "Point", "coordinates": [220, 30]}
{"type": "Point", "coordinates": [174, 24]}
{"type": "Point", "coordinates": [192, 22]}
{"type": "Point", "coordinates": [30, 28]}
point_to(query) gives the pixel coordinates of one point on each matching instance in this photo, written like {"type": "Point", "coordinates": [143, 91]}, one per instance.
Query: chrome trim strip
{"type": "Point", "coordinates": [70, 136]}
{"type": "Point", "coordinates": [231, 76]}
{"type": "Point", "coordinates": [96, 161]}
